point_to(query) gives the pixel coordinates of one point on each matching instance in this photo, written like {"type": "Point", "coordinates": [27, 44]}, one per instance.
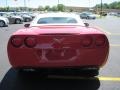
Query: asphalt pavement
{"type": "Point", "coordinates": [109, 78]}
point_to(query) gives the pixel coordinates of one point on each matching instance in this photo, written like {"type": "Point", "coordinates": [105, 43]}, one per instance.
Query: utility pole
{"type": "Point", "coordinates": [101, 10]}
{"type": "Point", "coordinates": [89, 5]}
{"type": "Point", "coordinates": [6, 3]}
{"type": "Point", "coordinates": [25, 5]}
{"type": "Point", "coordinates": [58, 2]}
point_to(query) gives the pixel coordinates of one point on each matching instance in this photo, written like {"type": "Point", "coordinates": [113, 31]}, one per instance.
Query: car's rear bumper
{"type": "Point", "coordinates": [30, 58]}
{"type": "Point", "coordinates": [76, 71]}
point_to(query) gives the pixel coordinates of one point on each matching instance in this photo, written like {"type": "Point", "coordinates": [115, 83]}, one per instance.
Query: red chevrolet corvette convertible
{"type": "Point", "coordinates": [58, 42]}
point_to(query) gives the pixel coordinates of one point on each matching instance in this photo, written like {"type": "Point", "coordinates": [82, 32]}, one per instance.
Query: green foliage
{"type": "Point", "coordinates": [4, 9]}
{"type": "Point", "coordinates": [54, 8]}
{"type": "Point", "coordinates": [47, 8]}
{"type": "Point", "coordinates": [61, 7]}
{"type": "Point", "coordinates": [113, 5]}
{"type": "Point", "coordinates": [71, 10]}
{"type": "Point", "coordinates": [40, 8]}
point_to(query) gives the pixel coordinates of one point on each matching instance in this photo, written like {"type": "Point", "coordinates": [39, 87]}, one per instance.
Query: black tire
{"type": "Point", "coordinates": [17, 21]}
{"type": "Point", "coordinates": [27, 20]}
{"type": "Point", "coordinates": [2, 23]}
{"type": "Point", "coordinates": [87, 17]}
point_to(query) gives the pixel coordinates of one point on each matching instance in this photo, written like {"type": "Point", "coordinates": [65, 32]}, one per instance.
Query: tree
{"type": "Point", "coordinates": [54, 8]}
{"type": "Point", "coordinates": [105, 5]}
{"type": "Point", "coordinates": [113, 5]}
{"type": "Point", "coordinates": [71, 10]}
{"type": "Point", "coordinates": [61, 7]}
{"type": "Point", "coordinates": [7, 8]}
{"type": "Point", "coordinates": [47, 8]}
{"type": "Point", "coordinates": [118, 5]}
{"type": "Point", "coordinates": [40, 8]}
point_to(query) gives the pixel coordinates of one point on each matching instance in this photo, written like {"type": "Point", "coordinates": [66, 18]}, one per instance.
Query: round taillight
{"type": "Point", "coordinates": [87, 41]}
{"type": "Point", "coordinates": [30, 42]}
{"type": "Point", "coordinates": [100, 41]}
{"type": "Point", "coordinates": [16, 41]}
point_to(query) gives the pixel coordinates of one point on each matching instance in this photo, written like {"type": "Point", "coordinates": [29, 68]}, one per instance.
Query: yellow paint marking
{"type": "Point", "coordinates": [103, 30]}
{"type": "Point", "coordinates": [101, 78]}
{"type": "Point", "coordinates": [115, 45]}
{"type": "Point", "coordinates": [109, 78]}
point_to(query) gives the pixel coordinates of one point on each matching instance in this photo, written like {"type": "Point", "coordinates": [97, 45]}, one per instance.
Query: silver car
{"type": "Point", "coordinates": [3, 22]}
{"type": "Point", "coordinates": [12, 18]}
{"type": "Point", "coordinates": [87, 15]}
{"type": "Point", "coordinates": [26, 17]}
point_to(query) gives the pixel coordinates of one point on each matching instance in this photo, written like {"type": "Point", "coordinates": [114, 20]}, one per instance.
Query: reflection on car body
{"type": "Point", "coordinates": [53, 43]}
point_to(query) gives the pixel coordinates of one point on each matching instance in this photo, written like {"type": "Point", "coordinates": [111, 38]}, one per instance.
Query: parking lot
{"type": "Point", "coordinates": [108, 79]}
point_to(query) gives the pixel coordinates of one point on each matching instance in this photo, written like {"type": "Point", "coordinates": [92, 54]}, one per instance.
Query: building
{"type": "Point", "coordinates": [76, 9]}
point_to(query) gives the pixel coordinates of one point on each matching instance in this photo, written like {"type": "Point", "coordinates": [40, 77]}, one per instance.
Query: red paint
{"type": "Point", "coordinates": [59, 46]}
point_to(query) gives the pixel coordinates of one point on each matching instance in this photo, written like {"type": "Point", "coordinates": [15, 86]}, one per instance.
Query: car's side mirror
{"type": "Point", "coordinates": [26, 25]}
{"type": "Point", "coordinates": [86, 24]}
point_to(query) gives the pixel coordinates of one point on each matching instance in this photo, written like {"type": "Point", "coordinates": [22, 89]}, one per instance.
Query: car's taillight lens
{"type": "Point", "coordinates": [16, 41]}
{"type": "Point", "coordinates": [30, 42]}
{"type": "Point", "coordinates": [87, 41]}
{"type": "Point", "coordinates": [100, 41]}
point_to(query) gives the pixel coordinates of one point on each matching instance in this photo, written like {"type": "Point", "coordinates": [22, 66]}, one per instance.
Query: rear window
{"type": "Point", "coordinates": [51, 20]}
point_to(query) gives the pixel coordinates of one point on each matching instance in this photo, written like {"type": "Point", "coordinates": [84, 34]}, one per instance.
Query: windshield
{"type": "Point", "coordinates": [50, 20]}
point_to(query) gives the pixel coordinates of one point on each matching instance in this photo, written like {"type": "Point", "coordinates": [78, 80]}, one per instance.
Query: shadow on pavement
{"type": "Point", "coordinates": [14, 81]}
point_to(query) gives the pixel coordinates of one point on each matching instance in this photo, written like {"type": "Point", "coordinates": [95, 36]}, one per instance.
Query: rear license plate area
{"type": "Point", "coordinates": [58, 54]}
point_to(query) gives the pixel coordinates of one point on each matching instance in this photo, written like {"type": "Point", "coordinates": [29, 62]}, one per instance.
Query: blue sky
{"type": "Point", "coordinates": [36, 3]}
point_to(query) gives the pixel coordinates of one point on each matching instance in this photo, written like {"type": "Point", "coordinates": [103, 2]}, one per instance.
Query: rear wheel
{"type": "Point", "coordinates": [94, 18]}
{"type": "Point", "coordinates": [17, 21]}
{"type": "Point", "coordinates": [87, 17]}
{"type": "Point", "coordinates": [27, 20]}
{"type": "Point", "coordinates": [2, 23]}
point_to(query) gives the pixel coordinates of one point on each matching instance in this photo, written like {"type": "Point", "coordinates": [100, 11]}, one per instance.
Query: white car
{"type": "Point", "coordinates": [4, 22]}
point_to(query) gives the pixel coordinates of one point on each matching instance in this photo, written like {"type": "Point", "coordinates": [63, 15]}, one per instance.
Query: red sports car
{"type": "Point", "coordinates": [58, 42]}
